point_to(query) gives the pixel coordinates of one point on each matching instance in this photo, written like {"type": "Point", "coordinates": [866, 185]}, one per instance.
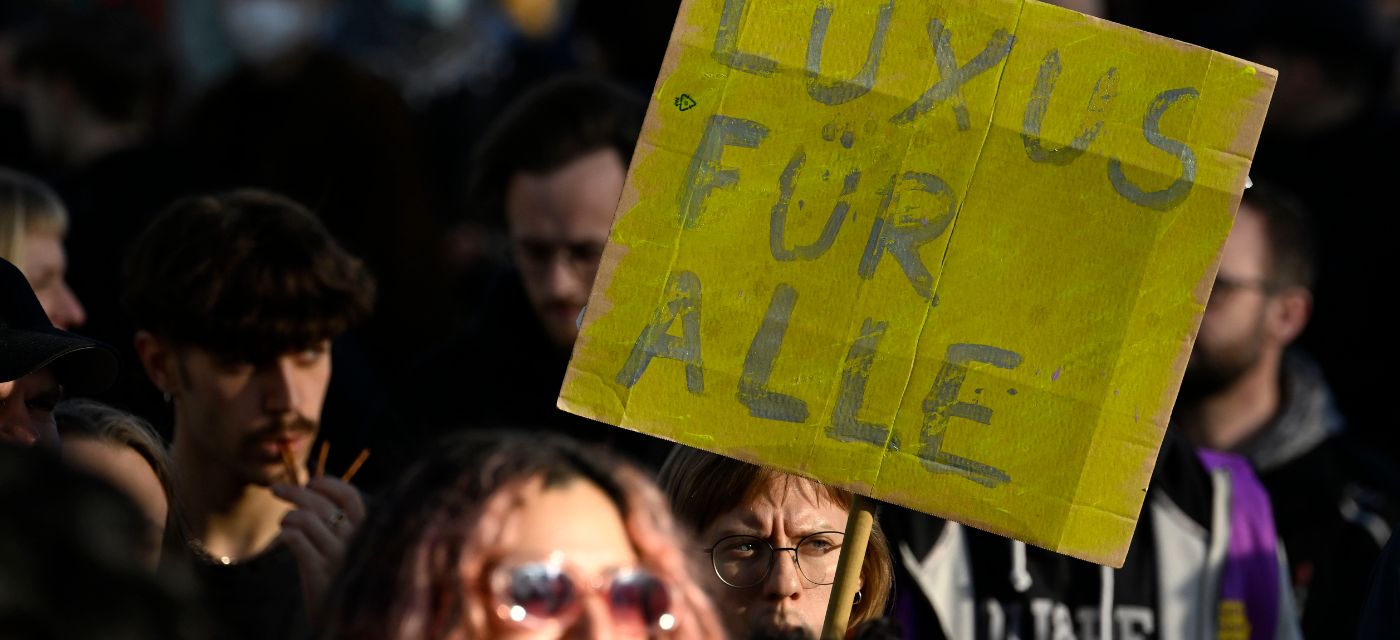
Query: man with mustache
{"type": "Point", "coordinates": [1249, 392]}
{"type": "Point", "coordinates": [236, 298]}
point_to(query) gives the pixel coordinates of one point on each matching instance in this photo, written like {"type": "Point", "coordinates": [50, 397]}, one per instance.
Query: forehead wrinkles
{"type": "Point", "coordinates": [786, 495]}
{"type": "Point", "coordinates": [784, 490]}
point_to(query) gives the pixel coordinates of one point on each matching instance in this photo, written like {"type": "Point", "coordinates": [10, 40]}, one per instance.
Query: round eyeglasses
{"type": "Point", "coordinates": [745, 561]}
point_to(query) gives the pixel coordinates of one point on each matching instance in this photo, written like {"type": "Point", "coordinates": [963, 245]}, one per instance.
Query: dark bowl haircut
{"type": "Point", "coordinates": [247, 275]}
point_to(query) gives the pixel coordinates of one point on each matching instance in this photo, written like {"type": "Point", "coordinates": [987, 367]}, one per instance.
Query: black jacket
{"type": "Point", "coordinates": [1331, 500]}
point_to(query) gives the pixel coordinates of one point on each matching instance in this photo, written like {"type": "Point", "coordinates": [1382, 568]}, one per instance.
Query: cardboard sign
{"type": "Point", "coordinates": [948, 254]}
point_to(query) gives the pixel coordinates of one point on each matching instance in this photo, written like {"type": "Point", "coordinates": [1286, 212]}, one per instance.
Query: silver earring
{"type": "Point", "coordinates": [858, 596]}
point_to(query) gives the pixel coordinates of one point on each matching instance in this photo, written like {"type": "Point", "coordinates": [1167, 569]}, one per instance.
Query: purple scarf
{"type": "Point", "coordinates": [1249, 583]}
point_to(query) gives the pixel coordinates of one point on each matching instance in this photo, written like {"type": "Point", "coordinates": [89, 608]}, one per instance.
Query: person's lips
{"type": "Point", "coordinates": [777, 620]}
{"type": "Point", "coordinates": [268, 449]}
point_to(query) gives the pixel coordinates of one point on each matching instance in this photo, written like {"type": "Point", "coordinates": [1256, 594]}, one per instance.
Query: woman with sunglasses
{"type": "Point", "coordinates": [497, 535]}
{"type": "Point", "coordinates": [768, 544]}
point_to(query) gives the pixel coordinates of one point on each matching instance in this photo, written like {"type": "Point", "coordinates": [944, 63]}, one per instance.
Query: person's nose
{"type": "Point", "coordinates": [594, 621]}
{"type": "Point", "coordinates": [563, 280]}
{"type": "Point", "coordinates": [783, 581]}
{"type": "Point", "coordinates": [278, 387]}
{"type": "Point", "coordinates": [70, 312]}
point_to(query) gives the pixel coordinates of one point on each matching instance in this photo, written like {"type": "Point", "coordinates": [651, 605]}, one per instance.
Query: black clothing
{"type": "Point", "coordinates": [110, 200]}
{"type": "Point", "coordinates": [1329, 497]}
{"type": "Point", "coordinates": [1381, 618]}
{"type": "Point", "coordinates": [259, 599]}
{"type": "Point", "coordinates": [503, 370]}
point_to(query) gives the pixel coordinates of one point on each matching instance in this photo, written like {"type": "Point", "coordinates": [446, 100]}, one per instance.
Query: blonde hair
{"type": "Point", "coordinates": [703, 486]}
{"type": "Point", "coordinates": [27, 205]}
{"type": "Point", "coordinates": [94, 420]}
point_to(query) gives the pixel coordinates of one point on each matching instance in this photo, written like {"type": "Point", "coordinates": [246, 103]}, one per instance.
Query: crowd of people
{"type": "Point", "coordinates": [206, 203]}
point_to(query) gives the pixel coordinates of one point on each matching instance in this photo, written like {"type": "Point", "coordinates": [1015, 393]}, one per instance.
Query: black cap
{"type": "Point", "coordinates": [29, 342]}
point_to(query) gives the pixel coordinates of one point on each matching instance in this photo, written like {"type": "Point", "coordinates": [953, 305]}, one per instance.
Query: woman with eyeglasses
{"type": "Point", "coordinates": [518, 535]}
{"type": "Point", "coordinates": [768, 543]}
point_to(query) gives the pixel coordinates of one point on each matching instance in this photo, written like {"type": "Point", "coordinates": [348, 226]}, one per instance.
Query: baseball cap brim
{"type": "Point", "coordinates": [82, 365]}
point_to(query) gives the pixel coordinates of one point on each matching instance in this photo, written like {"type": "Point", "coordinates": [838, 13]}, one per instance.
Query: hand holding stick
{"type": "Point", "coordinates": [318, 530]}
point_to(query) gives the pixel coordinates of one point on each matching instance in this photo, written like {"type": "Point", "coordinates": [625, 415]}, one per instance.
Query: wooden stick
{"type": "Point", "coordinates": [321, 458]}
{"type": "Point", "coordinates": [289, 462]}
{"type": "Point", "coordinates": [859, 521]}
{"type": "Point", "coordinates": [355, 466]}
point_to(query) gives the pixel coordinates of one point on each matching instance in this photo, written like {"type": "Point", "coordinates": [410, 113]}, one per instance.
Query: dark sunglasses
{"type": "Point", "coordinates": [540, 594]}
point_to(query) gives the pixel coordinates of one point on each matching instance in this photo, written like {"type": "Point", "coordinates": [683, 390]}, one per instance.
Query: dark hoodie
{"type": "Point", "coordinates": [956, 582]}
{"type": "Point", "coordinates": [1329, 500]}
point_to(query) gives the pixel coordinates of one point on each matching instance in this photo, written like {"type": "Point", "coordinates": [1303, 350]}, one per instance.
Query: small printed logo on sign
{"type": "Point", "coordinates": [685, 102]}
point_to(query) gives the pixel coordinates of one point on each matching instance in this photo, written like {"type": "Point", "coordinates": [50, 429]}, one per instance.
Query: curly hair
{"type": "Point", "coordinates": [247, 275]}
{"type": "Point", "coordinates": [413, 568]}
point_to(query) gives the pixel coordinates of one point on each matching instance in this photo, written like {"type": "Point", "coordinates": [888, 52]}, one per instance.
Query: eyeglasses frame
{"type": "Point", "coordinates": [772, 558]}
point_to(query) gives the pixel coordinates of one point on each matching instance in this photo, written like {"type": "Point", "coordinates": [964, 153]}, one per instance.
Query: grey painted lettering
{"type": "Point", "coordinates": [855, 371]}
{"type": "Point", "coordinates": [942, 405]}
{"type": "Point", "coordinates": [904, 235]}
{"type": "Point", "coordinates": [758, 364]}
{"type": "Point", "coordinates": [683, 303]}
{"type": "Point", "coordinates": [1104, 92]}
{"type": "Point", "coordinates": [705, 173]}
{"type": "Point", "coordinates": [951, 77]}
{"type": "Point", "coordinates": [842, 91]}
{"type": "Point", "coordinates": [777, 232]}
{"type": "Point", "coordinates": [1173, 195]}
{"type": "Point", "coordinates": [726, 51]}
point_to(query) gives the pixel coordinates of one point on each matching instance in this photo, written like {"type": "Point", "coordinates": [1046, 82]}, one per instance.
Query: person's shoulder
{"type": "Point", "coordinates": [1369, 477]}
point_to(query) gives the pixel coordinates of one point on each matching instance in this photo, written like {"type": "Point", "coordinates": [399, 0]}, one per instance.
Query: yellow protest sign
{"type": "Point", "coordinates": [949, 254]}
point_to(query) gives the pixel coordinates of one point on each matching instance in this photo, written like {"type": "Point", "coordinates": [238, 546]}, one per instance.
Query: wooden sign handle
{"type": "Point", "coordinates": [859, 522]}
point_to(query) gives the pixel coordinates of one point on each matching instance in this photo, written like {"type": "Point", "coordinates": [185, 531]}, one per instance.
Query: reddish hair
{"type": "Point", "coordinates": [703, 486]}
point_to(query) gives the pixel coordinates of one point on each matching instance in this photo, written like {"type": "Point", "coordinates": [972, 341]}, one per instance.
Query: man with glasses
{"type": "Point", "coordinates": [550, 172]}
{"type": "Point", "coordinates": [1247, 391]}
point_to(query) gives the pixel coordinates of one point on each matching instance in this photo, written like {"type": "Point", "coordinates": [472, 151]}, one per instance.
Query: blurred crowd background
{"type": "Point", "coordinates": [370, 111]}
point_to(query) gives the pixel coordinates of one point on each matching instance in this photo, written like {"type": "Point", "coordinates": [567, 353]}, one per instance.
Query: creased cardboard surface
{"type": "Point", "coordinates": [967, 285]}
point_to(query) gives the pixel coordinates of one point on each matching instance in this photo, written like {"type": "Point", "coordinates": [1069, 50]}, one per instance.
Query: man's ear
{"type": "Point", "coordinates": [1289, 314]}
{"type": "Point", "coordinates": [158, 359]}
